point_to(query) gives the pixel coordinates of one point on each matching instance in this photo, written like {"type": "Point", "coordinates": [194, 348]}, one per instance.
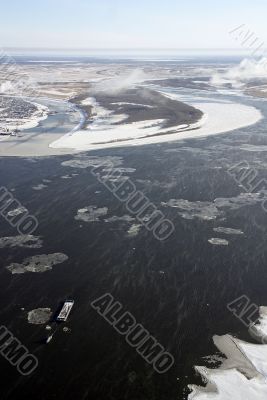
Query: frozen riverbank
{"type": "Point", "coordinates": [219, 117]}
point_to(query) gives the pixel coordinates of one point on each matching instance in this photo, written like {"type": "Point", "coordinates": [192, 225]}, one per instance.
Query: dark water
{"type": "Point", "coordinates": [182, 308]}
{"type": "Point", "coordinates": [64, 118]}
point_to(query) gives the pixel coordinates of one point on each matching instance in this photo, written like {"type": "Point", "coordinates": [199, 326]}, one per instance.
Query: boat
{"type": "Point", "coordinates": [48, 339]}
{"type": "Point", "coordinates": [65, 310]}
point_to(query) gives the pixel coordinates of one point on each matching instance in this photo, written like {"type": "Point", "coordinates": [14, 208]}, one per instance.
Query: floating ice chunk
{"type": "Point", "coordinates": [207, 210]}
{"type": "Point", "coordinates": [200, 209]}
{"type": "Point", "coordinates": [243, 199]}
{"type": "Point", "coordinates": [88, 161]}
{"type": "Point", "coordinates": [17, 211]}
{"type": "Point", "coordinates": [120, 170]}
{"type": "Point", "coordinates": [27, 241]}
{"type": "Point", "coordinates": [134, 230]}
{"type": "Point", "coordinates": [228, 231]}
{"type": "Point", "coordinates": [39, 316]}
{"type": "Point", "coordinates": [41, 186]}
{"type": "Point", "coordinates": [218, 241]}
{"type": "Point", "coordinates": [39, 263]}
{"type": "Point", "coordinates": [91, 213]}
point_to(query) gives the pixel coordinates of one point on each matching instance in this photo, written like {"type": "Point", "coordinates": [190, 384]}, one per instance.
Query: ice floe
{"type": "Point", "coordinates": [228, 231]}
{"type": "Point", "coordinates": [200, 209]}
{"type": "Point", "coordinates": [218, 242]}
{"type": "Point", "coordinates": [39, 316]}
{"type": "Point", "coordinates": [134, 230]}
{"type": "Point", "coordinates": [242, 375]}
{"type": "Point", "coordinates": [91, 161]}
{"type": "Point", "coordinates": [26, 241]}
{"type": "Point", "coordinates": [207, 210]}
{"type": "Point", "coordinates": [91, 213]}
{"type": "Point", "coordinates": [40, 186]}
{"type": "Point", "coordinates": [17, 211]}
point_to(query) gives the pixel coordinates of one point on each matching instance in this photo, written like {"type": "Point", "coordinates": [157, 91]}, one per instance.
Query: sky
{"type": "Point", "coordinates": [135, 24]}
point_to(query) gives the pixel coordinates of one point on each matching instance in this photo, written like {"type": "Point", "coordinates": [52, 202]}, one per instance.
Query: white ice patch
{"type": "Point", "coordinates": [228, 231]}
{"type": "Point", "coordinates": [17, 211]}
{"type": "Point", "coordinates": [40, 186]}
{"type": "Point", "coordinates": [207, 210]}
{"type": "Point", "coordinates": [83, 162]}
{"type": "Point", "coordinates": [38, 263]}
{"type": "Point", "coordinates": [134, 230]}
{"type": "Point", "coordinates": [254, 148]}
{"type": "Point", "coordinates": [218, 118]}
{"type": "Point", "coordinates": [39, 316]}
{"type": "Point", "coordinates": [203, 210]}
{"type": "Point", "coordinates": [218, 242]}
{"type": "Point", "coordinates": [242, 375]}
{"type": "Point", "coordinates": [25, 241]}
{"type": "Point", "coordinates": [91, 213]}
{"type": "Point", "coordinates": [125, 103]}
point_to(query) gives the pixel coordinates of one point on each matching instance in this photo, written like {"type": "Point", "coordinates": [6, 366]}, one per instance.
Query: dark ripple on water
{"type": "Point", "coordinates": [178, 289]}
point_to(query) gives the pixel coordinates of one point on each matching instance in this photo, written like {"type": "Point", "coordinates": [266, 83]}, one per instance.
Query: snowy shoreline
{"type": "Point", "coordinates": [218, 117]}
{"type": "Point", "coordinates": [243, 374]}
{"type": "Point", "coordinates": [108, 130]}
{"type": "Point", "coordinates": [25, 123]}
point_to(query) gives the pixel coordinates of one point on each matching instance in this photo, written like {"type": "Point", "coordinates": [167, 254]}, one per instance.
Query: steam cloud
{"type": "Point", "coordinates": [121, 82]}
{"type": "Point", "coordinates": [246, 71]}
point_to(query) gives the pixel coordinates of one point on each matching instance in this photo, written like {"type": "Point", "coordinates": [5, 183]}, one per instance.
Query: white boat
{"type": "Point", "coordinates": [49, 338]}
{"type": "Point", "coordinates": [65, 311]}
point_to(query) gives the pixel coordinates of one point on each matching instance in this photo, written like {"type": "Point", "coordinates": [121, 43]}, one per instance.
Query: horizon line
{"type": "Point", "coordinates": [125, 48]}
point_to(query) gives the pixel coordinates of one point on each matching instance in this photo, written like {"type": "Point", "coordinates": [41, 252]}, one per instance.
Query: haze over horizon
{"type": "Point", "coordinates": [117, 24]}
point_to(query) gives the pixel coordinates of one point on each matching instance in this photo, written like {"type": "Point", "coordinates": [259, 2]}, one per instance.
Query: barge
{"type": "Point", "coordinates": [65, 310]}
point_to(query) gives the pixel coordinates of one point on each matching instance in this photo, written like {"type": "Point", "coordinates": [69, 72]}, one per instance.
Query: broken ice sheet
{"type": "Point", "coordinates": [210, 210]}
{"type": "Point", "coordinates": [91, 213]}
{"type": "Point", "coordinates": [39, 263]}
{"type": "Point", "coordinates": [26, 241]}
{"type": "Point", "coordinates": [218, 242]}
{"type": "Point", "coordinates": [228, 231]}
{"type": "Point", "coordinates": [39, 316]}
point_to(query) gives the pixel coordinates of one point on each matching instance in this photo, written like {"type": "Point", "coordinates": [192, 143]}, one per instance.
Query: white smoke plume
{"type": "Point", "coordinates": [238, 76]}
{"type": "Point", "coordinates": [19, 87]}
{"type": "Point", "coordinates": [121, 82]}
